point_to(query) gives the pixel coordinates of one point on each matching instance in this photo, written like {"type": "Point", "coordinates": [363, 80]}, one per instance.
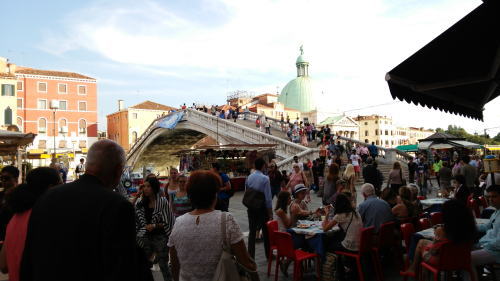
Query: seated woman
{"type": "Point", "coordinates": [404, 208]}
{"type": "Point", "coordinates": [298, 208]}
{"type": "Point", "coordinates": [350, 224]}
{"type": "Point", "coordinates": [459, 226]}
{"type": "Point", "coordinates": [284, 220]}
{"type": "Point", "coordinates": [414, 199]}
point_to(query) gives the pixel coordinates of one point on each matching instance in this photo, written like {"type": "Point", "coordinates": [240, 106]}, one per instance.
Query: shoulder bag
{"type": "Point", "coordinates": [228, 268]}
{"type": "Point", "coordinates": [253, 199]}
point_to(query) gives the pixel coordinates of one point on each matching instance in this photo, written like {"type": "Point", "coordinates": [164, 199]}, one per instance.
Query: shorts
{"type": "Point", "coordinates": [357, 169]}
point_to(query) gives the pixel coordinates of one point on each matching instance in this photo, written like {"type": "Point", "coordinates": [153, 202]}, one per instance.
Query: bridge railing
{"type": "Point", "coordinates": [284, 149]}
{"type": "Point", "coordinates": [252, 116]}
{"type": "Point", "coordinates": [387, 154]}
{"type": "Point", "coordinates": [310, 154]}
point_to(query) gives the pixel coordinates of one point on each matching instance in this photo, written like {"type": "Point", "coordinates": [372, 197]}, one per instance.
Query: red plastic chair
{"type": "Point", "coordinates": [365, 247]}
{"type": "Point", "coordinates": [407, 230]}
{"type": "Point", "coordinates": [436, 218]}
{"type": "Point", "coordinates": [272, 226]}
{"type": "Point", "coordinates": [453, 257]}
{"type": "Point", "coordinates": [473, 204]}
{"type": "Point", "coordinates": [387, 239]}
{"type": "Point", "coordinates": [424, 223]}
{"type": "Point", "coordinates": [483, 202]}
{"type": "Point", "coordinates": [285, 250]}
{"type": "Point", "coordinates": [421, 197]}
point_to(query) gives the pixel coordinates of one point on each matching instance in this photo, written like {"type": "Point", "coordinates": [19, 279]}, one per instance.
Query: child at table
{"type": "Point", "coordinates": [459, 226]}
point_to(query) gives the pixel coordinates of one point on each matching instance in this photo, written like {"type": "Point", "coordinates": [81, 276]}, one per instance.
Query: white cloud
{"type": "Point", "coordinates": [351, 44]}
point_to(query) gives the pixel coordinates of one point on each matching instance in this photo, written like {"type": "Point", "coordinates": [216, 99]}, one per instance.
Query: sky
{"type": "Point", "coordinates": [175, 52]}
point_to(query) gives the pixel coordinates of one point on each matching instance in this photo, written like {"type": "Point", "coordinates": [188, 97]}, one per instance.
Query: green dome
{"type": "Point", "coordinates": [298, 94]}
{"type": "Point", "coordinates": [301, 59]}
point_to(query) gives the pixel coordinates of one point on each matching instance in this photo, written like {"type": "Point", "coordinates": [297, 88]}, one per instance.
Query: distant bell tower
{"type": "Point", "coordinates": [302, 64]}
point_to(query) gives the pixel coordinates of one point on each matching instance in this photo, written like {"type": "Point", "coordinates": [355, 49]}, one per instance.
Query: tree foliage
{"type": "Point", "coordinates": [475, 138]}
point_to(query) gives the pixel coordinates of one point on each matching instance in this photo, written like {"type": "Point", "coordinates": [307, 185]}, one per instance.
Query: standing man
{"type": "Point", "coordinates": [258, 217]}
{"type": "Point", "coordinates": [225, 190]}
{"type": "Point", "coordinates": [80, 169]}
{"type": "Point", "coordinates": [83, 230]}
{"type": "Point", "coordinates": [469, 172]}
{"type": "Point", "coordinates": [412, 169]}
{"type": "Point", "coordinates": [373, 150]}
{"type": "Point", "coordinates": [372, 175]}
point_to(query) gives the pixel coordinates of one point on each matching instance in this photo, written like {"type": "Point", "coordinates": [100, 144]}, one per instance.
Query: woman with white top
{"type": "Point", "coordinates": [196, 240]}
{"type": "Point", "coordinates": [349, 221]}
{"type": "Point", "coordinates": [282, 216]}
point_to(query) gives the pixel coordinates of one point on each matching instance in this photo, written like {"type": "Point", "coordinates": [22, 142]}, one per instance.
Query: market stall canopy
{"type": "Point", "coordinates": [445, 141]}
{"type": "Point", "coordinates": [10, 141]}
{"type": "Point", "coordinates": [408, 148]}
{"type": "Point", "coordinates": [458, 71]}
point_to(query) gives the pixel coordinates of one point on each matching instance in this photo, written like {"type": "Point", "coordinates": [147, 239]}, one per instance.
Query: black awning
{"type": "Point", "coordinates": [458, 71]}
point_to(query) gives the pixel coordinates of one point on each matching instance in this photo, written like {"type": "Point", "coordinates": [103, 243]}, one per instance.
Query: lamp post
{"type": "Point", "coordinates": [54, 105]}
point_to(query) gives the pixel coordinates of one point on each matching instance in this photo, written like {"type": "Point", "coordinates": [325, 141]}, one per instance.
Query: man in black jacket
{"type": "Point", "coordinates": [83, 230]}
{"type": "Point", "coordinates": [372, 175]}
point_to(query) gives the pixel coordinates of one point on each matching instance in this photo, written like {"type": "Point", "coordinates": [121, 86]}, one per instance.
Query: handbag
{"type": "Point", "coordinates": [403, 181]}
{"type": "Point", "coordinates": [340, 234]}
{"type": "Point", "coordinates": [228, 268]}
{"type": "Point", "coordinates": [253, 199]}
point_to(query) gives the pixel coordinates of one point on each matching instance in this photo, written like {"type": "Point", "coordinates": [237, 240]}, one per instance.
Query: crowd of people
{"type": "Point", "coordinates": [51, 232]}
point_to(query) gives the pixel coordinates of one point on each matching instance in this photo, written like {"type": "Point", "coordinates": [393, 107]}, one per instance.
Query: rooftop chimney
{"type": "Point", "coordinates": [120, 105]}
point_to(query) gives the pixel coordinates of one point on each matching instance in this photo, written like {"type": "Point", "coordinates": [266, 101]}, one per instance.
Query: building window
{"type": "Point", "coordinates": [366, 133]}
{"type": "Point", "coordinates": [386, 132]}
{"type": "Point", "coordinates": [62, 144]}
{"type": "Point", "coordinates": [134, 115]}
{"type": "Point", "coordinates": [7, 116]}
{"type": "Point", "coordinates": [82, 126]}
{"type": "Point", "coordinates": [42, 87]}
{"type": "Point", "coordinates": [82, 106]}
{"type": "Point", "coordinates": [63, 105]}
{"type": "Point", "coordinates": [42, 144]}
{"type": "Point", "coordinates": [42, 125]}
{"type": "Point", "coordinates": [63, 126]}
{"type": "Point", "coordinates": [366, 140]}
{"type": "Point", "coordinates": [82, 144]}
{"type": "Point", "coordinates": [82, 89]}
{"type": "Point", "coordinates": [366, 123]}
{"type": "Point", "coordinates": [392, 133]}
{"type": "Point", "coordinates": [20, 85]}
{"type": "Point", "coordinates": [7, 90]}
{"type": "Point", "coordinates": [134, 137]}
{"type": "Point", "coordinates": [392, 142]}
{"type": "Point", "coordinates": [20, 103]}
{"type": "Point", "coordinates": [42, 104]}
{"type": "Point", "coordinates": [20, 124]}
{"type": "Point", "coordinates": [377, 142]}
{"type": "Point", "coordinates": [62, 88]}
{"type": "Point", "coordinates": [376, 122]}
{"type": "Point", "coordinates": [376, 132]}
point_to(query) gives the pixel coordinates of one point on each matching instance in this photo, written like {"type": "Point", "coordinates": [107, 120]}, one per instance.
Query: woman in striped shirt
{"type": "Point", "coordinates": [154, 222]}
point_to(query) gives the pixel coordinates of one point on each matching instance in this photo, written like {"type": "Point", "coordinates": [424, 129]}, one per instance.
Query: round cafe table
{"type": "Point", "coordinates": [311, 236]}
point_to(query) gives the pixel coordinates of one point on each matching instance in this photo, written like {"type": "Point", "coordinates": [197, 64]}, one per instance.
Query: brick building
{"type": "Point", "coordinates": [60, 107]}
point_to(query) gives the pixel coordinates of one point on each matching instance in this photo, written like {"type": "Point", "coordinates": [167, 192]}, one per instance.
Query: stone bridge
{"type": "Point", "coordinates": [181, 130]}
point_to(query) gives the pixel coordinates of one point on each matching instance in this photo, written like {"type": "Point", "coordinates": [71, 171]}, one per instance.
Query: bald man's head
{"type": "Point", "coordinates": [105, 160]}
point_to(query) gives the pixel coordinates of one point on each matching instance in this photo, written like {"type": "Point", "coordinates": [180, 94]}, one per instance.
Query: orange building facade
{"type": "Point", "coordinates": [57, 104]}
